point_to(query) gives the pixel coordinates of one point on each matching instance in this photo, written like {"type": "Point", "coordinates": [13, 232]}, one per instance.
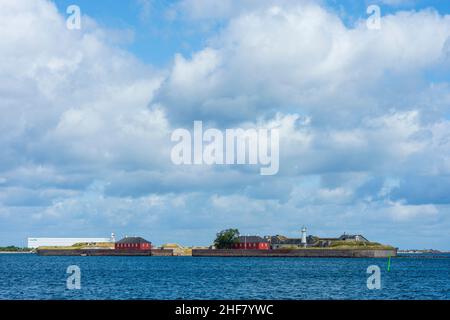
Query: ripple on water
{"type": "Point", "coordinates": [33, 277]}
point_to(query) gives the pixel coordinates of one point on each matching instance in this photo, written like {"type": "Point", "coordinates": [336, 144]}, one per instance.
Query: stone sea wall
{"type": "Point", "coordinates": [103, 252]}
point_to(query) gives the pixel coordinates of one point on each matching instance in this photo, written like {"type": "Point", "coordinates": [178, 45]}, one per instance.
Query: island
{"type": "Point", "coordinates": [229, 243]}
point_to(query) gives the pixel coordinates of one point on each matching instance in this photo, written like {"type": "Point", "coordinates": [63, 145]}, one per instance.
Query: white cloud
{"type": "Point", "coordinates": [402, 212]}
{"type": "Point", "coordinates": [303, 59]}
{"type": "Point", "coordinates": [72, 95]}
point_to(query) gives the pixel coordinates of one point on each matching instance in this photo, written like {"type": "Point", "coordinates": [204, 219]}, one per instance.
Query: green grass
{"type": "Point", "coordinates": [79, 246]}
{"type": "Point", "coordinates": [358, 245]}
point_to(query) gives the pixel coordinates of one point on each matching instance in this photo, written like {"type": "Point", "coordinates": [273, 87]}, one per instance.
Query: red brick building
{"type": "Point", "coordinates": [251, 242]}
{"type": "Point", "coordinates": [133, 243]}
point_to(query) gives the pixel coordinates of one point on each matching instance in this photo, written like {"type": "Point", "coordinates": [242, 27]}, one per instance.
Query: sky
{"type": "Point", "coordinates": [87, 116]}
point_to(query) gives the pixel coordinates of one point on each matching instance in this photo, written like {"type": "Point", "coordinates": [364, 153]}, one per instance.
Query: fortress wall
{"type": "Point", "coordinates": [103, 252]}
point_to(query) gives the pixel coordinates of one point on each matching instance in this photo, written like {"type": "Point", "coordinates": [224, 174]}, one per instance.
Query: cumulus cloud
{"type": "Point", "coordinates": [84, 100]}
{"type": "Point", "coordinates": [401, 211]}
{"type": "Point", "coordinates": [74, 108]}
{"type": "Point", "coordinates": [347, 100]}
{"type": "Point", "coordinates": [304, 60]}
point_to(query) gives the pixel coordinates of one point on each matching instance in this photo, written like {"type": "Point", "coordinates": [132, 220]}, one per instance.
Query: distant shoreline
{"type": "Point", "coordinates": [16, 252]}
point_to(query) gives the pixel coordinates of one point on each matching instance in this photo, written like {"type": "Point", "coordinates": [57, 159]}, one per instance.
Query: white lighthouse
{"type": "Point", "coordinates": [304, 236]}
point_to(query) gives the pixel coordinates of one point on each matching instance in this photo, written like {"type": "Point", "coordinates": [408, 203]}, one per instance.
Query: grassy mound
{"type": "Point", "coordinates": [82, 245]}
{"type": "Point", "coordinates": [358, 245]}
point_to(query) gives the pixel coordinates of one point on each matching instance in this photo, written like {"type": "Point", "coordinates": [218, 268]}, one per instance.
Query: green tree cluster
{"type": "Point", "coordinates": [226, 238]}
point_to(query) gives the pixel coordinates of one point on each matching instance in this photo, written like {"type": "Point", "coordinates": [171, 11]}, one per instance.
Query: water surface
{"type": "Point", "coordinates": [28, 276]}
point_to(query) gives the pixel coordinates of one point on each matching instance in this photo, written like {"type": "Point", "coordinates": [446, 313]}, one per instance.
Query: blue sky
{"type": "Point", "coordinates": [161, 29]}
{"type": "Point", "coordinates": [364, 119]}
{"type": "Point", "coordinates": [157, 35]}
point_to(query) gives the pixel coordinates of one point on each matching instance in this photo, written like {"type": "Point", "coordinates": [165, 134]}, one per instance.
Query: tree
{"type": "Point", "coordinates": [226, 238]}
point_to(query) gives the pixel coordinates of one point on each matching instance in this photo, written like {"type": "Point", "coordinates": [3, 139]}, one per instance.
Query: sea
{"type": "Point", "coordinates": [415, 276]}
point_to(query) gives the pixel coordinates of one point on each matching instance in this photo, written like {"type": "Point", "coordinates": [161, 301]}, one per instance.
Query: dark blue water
{"type": "Point", "coordinates": [27, 276]}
